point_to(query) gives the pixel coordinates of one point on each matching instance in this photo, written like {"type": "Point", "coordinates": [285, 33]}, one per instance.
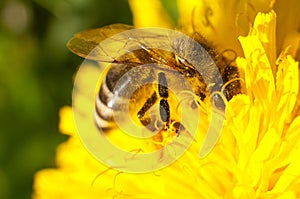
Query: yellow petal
{"type": "Point", "coordinates": [264, 27]}
{"type": "Point", "coordinates": [215, 20]}
{"type": "Point", "coordinates": [260, 79]}
{"type": "Point", "coordinates": [288, 178]}
{"type": "Point", "coordinates": [287, 87]}
{"type": "Point", "coordinates": [287, 195]}
{"type": "Point", "coordinates": [257, 155]}
{"type": "Point", "coordinates": [288, 19]}
{"type": "Point", "coordinates": [221, 22]}
{"type": "Point", "coordinates": [66, 124]}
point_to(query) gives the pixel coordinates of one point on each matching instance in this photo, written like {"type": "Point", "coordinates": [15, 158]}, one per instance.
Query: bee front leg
{"type": "Point", "coordinates": [148, 104]}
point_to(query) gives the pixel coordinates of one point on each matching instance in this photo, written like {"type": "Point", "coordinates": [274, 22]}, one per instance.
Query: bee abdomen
{"type": "Point", "coordinates": [103, 112]}
{"type": "Point", "coordinates": [108, 100]}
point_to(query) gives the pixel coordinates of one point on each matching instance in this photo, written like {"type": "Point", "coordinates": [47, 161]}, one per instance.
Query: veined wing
{"type": "Point", "coordinates": [121, 43]}
{"type": "Point", "coordinates": [84, 42]}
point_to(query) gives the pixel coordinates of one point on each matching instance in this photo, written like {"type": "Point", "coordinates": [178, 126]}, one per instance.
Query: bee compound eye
{"type": "Point", "coordinates": [190, 72]}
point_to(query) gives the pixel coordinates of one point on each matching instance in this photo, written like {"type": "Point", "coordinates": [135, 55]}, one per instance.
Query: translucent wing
{"type": "Point", "coordinates": [115, 43]}
{"type": "Point", "coordinates": [122, 44]}
{"type": "Point", "coordinates": [84, 42]}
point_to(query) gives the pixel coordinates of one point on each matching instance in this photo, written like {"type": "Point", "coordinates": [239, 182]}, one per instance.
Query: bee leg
{"type": "Point", "coordinates": [162, 85]}
{"type": "Point", "coordinates": [164, 110]}
{"type": "Point", "coordinates": [218, 101]}
{"type": "Point", "coordinates": [148, 104]}
{"type": "Point", "coordinates": [231, 75]}
{"type": "Point", "coordinates": [178, 127]}
{"type": "Point", "coordinates": [229, 87]}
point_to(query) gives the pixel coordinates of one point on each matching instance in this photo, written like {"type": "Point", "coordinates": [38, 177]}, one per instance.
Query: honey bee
{"type": "Point", "coordinates": [131, 51]}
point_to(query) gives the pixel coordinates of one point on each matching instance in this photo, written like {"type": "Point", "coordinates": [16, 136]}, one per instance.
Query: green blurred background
{"type": "Point", "coordinates": [36, 71]}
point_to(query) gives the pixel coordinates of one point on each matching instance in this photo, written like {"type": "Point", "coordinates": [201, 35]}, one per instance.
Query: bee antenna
{"type": "Point", "coordinates": [198, 103]}
{"type": "Point", "coordinates": [230, 81]}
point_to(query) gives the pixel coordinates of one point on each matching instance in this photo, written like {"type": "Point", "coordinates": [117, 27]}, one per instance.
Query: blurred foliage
{"type": "Point", "coordinates": [171, 9]}
{"type": "Point", "coordinates": [36, 79]}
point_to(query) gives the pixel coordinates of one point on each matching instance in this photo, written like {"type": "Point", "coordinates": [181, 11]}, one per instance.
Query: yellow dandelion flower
{"type": "Point", "coordinates": [223, 21]}
{"type": "Point", "coordinates": [287, 27]}
{"type": "Point", "coordinates": [258, 153]}
{"type": "Point", "coordinates": [151, 15]}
